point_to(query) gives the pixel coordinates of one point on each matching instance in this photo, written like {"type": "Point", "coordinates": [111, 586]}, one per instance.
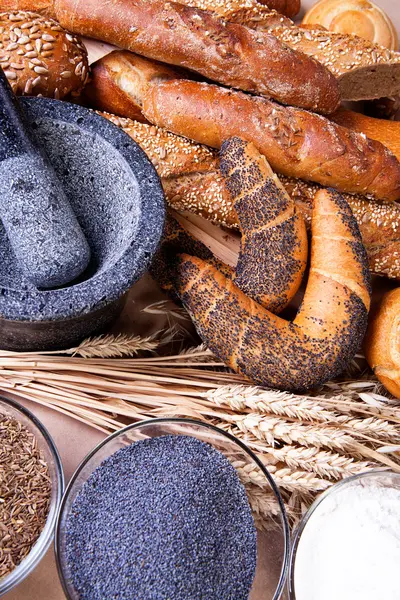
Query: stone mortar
{"type": "Point", "coordinates": [118, 200]}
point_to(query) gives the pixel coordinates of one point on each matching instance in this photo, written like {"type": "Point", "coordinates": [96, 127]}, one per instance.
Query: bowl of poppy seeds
{"type": "Point", "coordinates": [31, 488]}
{"type": "Point", "coordinates": [163, 510]}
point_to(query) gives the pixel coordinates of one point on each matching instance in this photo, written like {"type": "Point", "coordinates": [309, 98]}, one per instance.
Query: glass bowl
{"type": "Point", "coordinates": [272, 541]}
{"type": "Point", "coordinates": [381, 477]}
{"type": "Point", "coordinates": [51, 456]}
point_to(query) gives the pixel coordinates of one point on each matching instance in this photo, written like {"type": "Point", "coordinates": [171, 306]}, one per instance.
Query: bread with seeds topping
{"type": "Point", "coordinates": [295, 142]}
{"type": "Point", "coordinates": [328, 329]}
{"type": "Point", "coordinates": [274, 247]}
{"type": "Point", "coordinates": [202, 42]}
{"type": "Point", "coordinates": [39, 57]}
{"type": "Point", "coordinates": [192, 181]}
{"type": "Point", "coordinates": [364, 70]}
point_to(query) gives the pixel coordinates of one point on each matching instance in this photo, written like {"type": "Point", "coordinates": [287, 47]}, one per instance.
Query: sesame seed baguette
{"type": "Point", "coordinates": [364, 70]}
{"type": "Point", "coordinates": [192, 181]}
{"type": "Point", "coordinates": [198, 40]}
{"type": "Point", "coordinates": [39, 57]}
{"type": "Point", "coordinates": [382, 342]}
{"type": "Point", "coordinates": [328, 328]}
{"type": "Point", "coordinates": [295, 142]}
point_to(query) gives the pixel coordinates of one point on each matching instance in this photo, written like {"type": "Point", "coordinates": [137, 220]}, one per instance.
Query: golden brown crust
{"type": "Point", "coordinates": [202, 42]}
{"type": "Point", "coordinates": [120, 79]}
{"type": "Point", "coordinates": [382, 342]}
{"type": "Point", "coordinates": [328, 329]}
{"type": "Point", "coordinates": [358, 17]}
{"type": "Point", "coordinates": [274, 246]}
{"type": "Point", "coordinates": [364, 69]}
{"type": "Point", "coordinates": [295, 142]}
{"type": "Point", "coordinates": [192, 181]}
{"type": "Point", "coordinates": [386, 132]}
{"type": "Point", "coordinates": [39, 57]}
{"type": "Point", "coordinates": [42, 7]}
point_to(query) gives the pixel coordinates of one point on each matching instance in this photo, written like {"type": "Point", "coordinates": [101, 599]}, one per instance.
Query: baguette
{"type": "Point", "coordinates": [40, 58]}
{"type": "Point", "coordinates": [296, 143]}
{"type": "Point", "coordinates": [274, 248]}
{"type": "Point", "coordinates": [386, 132]}
{"type": "Point", "coordinates": [120, 79]}
{"type": "Point", "coordinates": [364, 70]}
{"type": "Point", "coordinates": [202, 42]}
{"type": "Point", "coordinates": [192, 181]}
{"type": "Point", "coordinates": [382, 342]}
{"type": "Point", "coordinates": [328, 328]}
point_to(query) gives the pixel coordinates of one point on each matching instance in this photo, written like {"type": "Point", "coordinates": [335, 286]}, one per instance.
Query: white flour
{"type": "Point", "coordinates": [350, 547]}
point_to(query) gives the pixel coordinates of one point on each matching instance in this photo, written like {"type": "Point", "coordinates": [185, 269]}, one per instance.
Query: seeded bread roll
{"type": "Point", "coordinates": [328, 328]}
{"type": "Point", "coordinates": [39, 57]}
{"type": "Point", "coordinates": [296, 143]}
{"type": "Point", "coordinates": [382, 349]}
{"type": "Point", "coordinates": [202, 42]}
{"type": "Point", "coordinates": [192, 181]}
{"type": "Point", "coordinates": [364, 69]}
{"type": "Point", "coordinates": [274, 247]}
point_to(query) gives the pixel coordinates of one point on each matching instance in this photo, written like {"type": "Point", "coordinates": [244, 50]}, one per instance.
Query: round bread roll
{"type": "Point", "coordinates": [39, 57]}
{"type": "Point", "coordinates": [382, 342]}
{"type": "Point", "coordinates": [357, 17]}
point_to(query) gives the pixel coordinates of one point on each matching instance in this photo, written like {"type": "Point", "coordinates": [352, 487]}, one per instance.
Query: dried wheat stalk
{"type": "Point", "coordinates": [307, 442]}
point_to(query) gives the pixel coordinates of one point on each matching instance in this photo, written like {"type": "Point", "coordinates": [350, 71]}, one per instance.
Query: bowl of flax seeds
{"type": "Point", "coordinates": [31, 488]}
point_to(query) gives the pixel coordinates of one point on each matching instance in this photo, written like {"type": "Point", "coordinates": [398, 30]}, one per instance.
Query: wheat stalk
{"type": "Point", "coordinates": [285, 478]}
{"type": "Point", "coordinates": [111, 346]}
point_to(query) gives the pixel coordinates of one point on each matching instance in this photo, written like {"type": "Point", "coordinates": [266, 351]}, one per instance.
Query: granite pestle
{"type": "Point", "coordinates": [42, 228]}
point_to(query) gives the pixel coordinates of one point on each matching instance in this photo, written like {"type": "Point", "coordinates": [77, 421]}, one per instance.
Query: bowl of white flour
{"type": "Point", "coordinates": [347, 546]}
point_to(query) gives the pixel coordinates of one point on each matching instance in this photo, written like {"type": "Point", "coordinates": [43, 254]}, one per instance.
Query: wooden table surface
{"type": "Point", "coordinates": [74, 440]}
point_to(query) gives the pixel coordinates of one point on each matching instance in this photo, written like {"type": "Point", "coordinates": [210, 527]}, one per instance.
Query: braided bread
{"type": "Point", "coordinates": [382, 342]}
{"type": "Point", "coordinates": [329, 326]}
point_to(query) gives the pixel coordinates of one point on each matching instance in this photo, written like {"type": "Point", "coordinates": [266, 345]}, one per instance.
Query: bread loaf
{"type": "Point", "coordinates": [39, 57]}
{"type": "Point", "coordinates": [382, 342]}
{"type": "Point", "coordinates": [386, 132]}
{"type": "Point", "coordinates": [328, 329]}
{"type": "Point", "coordinates": [192, 181]}
{"type": "Point", "coordinates": [295, 142]}
{"type": "Point", "coordinates": [200, 41]}
{"type": "Point", "coordinates": [364, 70]}
{"type": "Point", "coordinates": [357, 17]}
{"type": "Point", "coordinates": [274, 247]}
{"type": "Point", "coordinates": [120, 79]}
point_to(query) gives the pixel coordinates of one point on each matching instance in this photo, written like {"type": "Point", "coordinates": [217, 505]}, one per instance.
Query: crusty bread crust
{"type": "Point", "coordinates": [202, 42]}
{"type": "Point", "coordinates": [382, 342]}
{"type": "Point", "coordinates": [295, 142]}
{"type": "Point", "coordinates": [192, 181]}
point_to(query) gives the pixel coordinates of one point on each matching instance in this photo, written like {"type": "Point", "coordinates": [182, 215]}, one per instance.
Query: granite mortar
{"type": "Point", "coordinates": [164, 518]}
{"type": "Point", "coordinates": [118, 200]}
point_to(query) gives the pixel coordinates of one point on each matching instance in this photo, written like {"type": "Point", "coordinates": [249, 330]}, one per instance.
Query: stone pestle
{"type": "Point", "coordinates": [42, 228]}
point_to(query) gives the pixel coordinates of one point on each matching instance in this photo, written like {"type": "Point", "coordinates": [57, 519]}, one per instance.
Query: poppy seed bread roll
{"type": "Point", "coordinates": [328, 329]}
{"type": "Point", "coordinates": [274, 245]}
